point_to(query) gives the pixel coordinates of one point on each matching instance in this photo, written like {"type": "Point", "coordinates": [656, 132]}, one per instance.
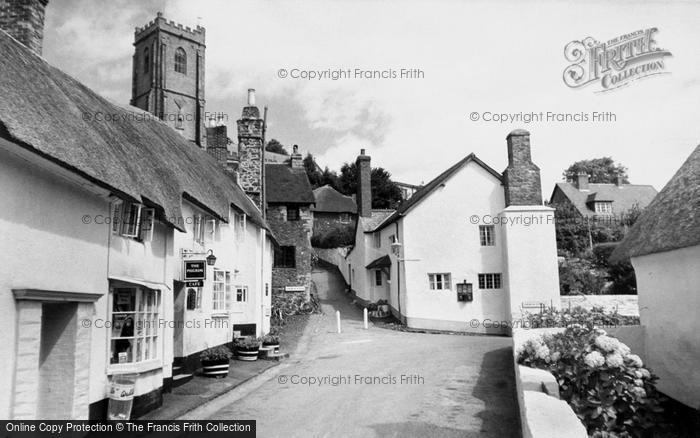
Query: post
{"type": "Point", "coordinates": [365, 314]}
{"type": "Point", "coordinates": [337, 319]}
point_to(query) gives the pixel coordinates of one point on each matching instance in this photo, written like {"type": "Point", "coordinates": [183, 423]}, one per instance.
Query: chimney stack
{"type": "Point", "coordinates": [295, 160]}
{"type": "Point", "coordinates": [618, 181]}
{"type": "Point", "coordinates": [250, 152]}
{"type": "Point", "coordinates": [522, 177]}
{"type": "Point", "coordinates": [364, 187]}
{"type": "Point", "coordinates": [582, 181]}
{"type": "Point", "coordinates": [24, 21]}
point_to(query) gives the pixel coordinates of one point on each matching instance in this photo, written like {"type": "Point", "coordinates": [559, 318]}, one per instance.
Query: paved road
{"type": "Point", "coordinates": [383, 383]}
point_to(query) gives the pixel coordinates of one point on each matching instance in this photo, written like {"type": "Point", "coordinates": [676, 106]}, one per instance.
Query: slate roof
{"type": "Point", "coordinates": [329, 200]}
{"type": "Point", "coordinates": [672, 220]}
{"type": "Point", "coordinates": [134, 155]}
{"type": "Point", "coordinates": [623, 197]}
{"type": "Point", "coordinates": [370, 224]}
{"type": "Point", "coordinates": [287, 185]}
{"type": "Point", "coordinates": [427, 189]}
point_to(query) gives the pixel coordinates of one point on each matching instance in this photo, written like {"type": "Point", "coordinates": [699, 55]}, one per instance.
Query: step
{"type": "Point", "coordinates": [181, 379]}
{"type": "Point", "coordinates": [276, 356]}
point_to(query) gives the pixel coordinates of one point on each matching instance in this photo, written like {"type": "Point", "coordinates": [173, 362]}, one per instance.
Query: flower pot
{"type": "Point", "coordinates": [247, 354]}
{"type": "Point", "coordinates": [273, 346]}
{"type": "Point", "coordinates": [384, 308]}
{"type": "Point", "coordinates": [215, 368]}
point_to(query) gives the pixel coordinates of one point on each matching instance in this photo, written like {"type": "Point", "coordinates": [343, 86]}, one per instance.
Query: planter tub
{"type": "Point", "coordinates": [247, 354]}
{"type": "Point", "coordinates": [215, 368]}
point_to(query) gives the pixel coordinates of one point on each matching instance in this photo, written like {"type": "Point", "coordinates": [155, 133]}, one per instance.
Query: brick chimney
{"type": "Point", "coordinates": [364, 188]}
{"type": "Point", "coordinates": [522, 177]}
{"type": "Point", "coordinates": [217, 140]}
{"type": "Point", "coordinates": [295, 160]}
{"type": "Point", "coordinates": [24, 21]}
{"type": "Point", "coordinates": [582, 181]}
{"type": "Point", "coordinates": [250, 151]}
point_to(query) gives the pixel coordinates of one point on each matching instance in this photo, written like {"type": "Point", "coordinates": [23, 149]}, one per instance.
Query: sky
{"type": "Point", "coordinates": [495, 57]}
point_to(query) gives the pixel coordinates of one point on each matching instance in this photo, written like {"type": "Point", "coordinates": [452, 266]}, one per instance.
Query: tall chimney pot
{"type": "Point", "coordinates": [251, 96]}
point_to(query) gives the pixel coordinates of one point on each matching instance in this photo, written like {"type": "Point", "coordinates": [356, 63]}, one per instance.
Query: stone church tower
{"type": "Point", "coordinates": [168, 75]}
{"type": "Point", "coordinates": [251, 170]}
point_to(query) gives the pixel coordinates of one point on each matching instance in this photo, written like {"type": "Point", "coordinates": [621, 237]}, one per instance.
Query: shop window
{"type": "Point", "coordinates": [135, 332]}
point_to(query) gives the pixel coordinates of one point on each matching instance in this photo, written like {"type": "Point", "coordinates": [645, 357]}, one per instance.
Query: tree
{"type": "Point", "coordinates": [276, 147]}
{"type": "Point", "coordinates": [600, 170]}
{"type": "Point", "coordinates": [385, 193]}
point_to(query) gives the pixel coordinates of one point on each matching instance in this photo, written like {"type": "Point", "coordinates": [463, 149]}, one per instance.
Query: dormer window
{"type": "Point", "coordinates": [603, 207]}
{"type": "Point", "coordinates": [181, 61]}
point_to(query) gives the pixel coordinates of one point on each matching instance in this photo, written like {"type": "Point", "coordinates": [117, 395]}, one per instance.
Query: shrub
{"type": "Point", "coordinates": [597, 316]}
{"type": "Point", "coordinates": [216, 353]}
{"type": "Point", "coordinates": [606, 385]}
{"type": "Point", "coordinates": [621, 274]}
{"type": "Point", "coordinates": [270, 339]}
{"type": "Point", "coordinates": [580, 276]}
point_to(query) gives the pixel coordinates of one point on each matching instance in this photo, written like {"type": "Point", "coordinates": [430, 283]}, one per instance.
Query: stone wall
{"type": "Point", "coordinates": [292, 233]}
{"type": "Point", "coordinates": [522, 177]}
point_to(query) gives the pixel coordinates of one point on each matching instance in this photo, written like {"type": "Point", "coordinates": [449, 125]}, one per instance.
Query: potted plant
{"type": "Point", "coordinates": [271, 341]}
{"type": "Point", "coordinates": [215, 361]}
{"type": "Point", "coordinates": [372, 309]}
{"type": "Point", "coordinates": [383, 306]}
{"type": "Point", "coordinates": [247, 348]}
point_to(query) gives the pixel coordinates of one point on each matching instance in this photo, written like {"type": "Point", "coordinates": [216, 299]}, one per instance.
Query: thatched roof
{"type": "Point", "coordinates": [132, 154]}
{"type": "Point", "coordinates": [287, 185]}
{"type": "Point", "coordinates": [672, 220]}
{"type": "Point", "coordinates": [329, 200]}
{"type": "Point", "coordinates": [427, 189]}
{"type": "Point", "coordinates": [623, 197]}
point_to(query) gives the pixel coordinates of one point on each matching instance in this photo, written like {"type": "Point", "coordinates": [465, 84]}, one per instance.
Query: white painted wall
{"type": "Point", "coordinates": [439, 238]}
{"type": "Point", "coordinates": [669, 300]}
{"type": "Point", "coordinates": [44, 244]}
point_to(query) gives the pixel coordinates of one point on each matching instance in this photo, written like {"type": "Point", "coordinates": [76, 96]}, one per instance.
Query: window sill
{"type": "Point", "coordinates": [134, 368]}
{"type": "Point", "coordinates": [220, 314]}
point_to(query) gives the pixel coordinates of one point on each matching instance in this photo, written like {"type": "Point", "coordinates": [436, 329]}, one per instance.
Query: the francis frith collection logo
{"type": "Point", "coordinates": [616, 62]}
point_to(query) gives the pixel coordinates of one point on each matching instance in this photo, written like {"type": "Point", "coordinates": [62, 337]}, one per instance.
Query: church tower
{"type": "Point", "coordinates": [168, 75]}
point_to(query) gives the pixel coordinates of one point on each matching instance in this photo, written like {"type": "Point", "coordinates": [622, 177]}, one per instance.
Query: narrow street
{"type": "Point", "coordinates": [452, 386]}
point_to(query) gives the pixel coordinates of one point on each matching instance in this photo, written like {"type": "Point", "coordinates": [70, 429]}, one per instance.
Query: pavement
{"type": "Point", "coordinates": [377, 382]}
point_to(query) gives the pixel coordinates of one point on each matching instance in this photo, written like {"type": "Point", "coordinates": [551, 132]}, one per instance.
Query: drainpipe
{"type": "Point", "coordinates": [398, 273]}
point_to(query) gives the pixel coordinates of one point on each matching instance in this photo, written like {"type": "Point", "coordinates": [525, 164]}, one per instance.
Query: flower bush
{"type": "Point", "coordinates": [595, 317]}
{"type": "Point", "coordinates": [606, 385]}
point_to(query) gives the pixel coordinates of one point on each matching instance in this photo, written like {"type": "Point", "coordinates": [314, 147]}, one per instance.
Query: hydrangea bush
{"type": "Point", "coordinates": [596, 316]}
{"type": "Point", "coordinates": [606, 385]}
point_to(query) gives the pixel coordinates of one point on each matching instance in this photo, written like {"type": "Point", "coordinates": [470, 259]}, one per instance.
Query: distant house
{"type": "Point", "coordinates": [601, 201]}
{"type": "Point", "coordinates": [444, 261]}
{"type": "Point", "coordinates": [407, 190]}
{"type": "Point", "coordinates": [333, 212]}
{"type": "Point", "coordinates": [664, 246]}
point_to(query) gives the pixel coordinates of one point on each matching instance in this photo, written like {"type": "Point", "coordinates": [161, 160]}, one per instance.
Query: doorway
{"type": "Point", "coordinates": [57, 357]}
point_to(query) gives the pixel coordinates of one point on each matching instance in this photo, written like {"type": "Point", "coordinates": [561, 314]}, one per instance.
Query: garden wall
{"type": "Point", "coordinates": [542, 413]}
{"type": "Point", "coordinates": [625, 304]}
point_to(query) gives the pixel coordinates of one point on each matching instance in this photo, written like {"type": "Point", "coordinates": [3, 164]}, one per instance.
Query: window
{"type": "Point", "coordinates": [603, 207]}
{"type": "Point", "coordinates": [285, 257]}
{"type": "Point", "coordinates": [392, 238]}
{"type": "Point", "coordinates": [487, 235]}
{"type": "Point", "coordinates": [489, 281]}
{"type": "Point", "coordinates": [180, 61]}
{"type": "Point", "coordinates": [134, 335]}
{"type": "Point", "coordinates": [377, 240]}
{"type": "Point", "coordinates": [378, 277]}
{"type": "Point", "coordinates": [239, 224]}
{"type": "Point", "coordinates": [292, 213]}
{"type": "Point", "coordinates": [133, 220]}
{"type": "Point", "coordinates": [242, 294]}
{"type": "Point", "coordinates": [146, 61]}
{"type": "Point", "coordinates": [198, 229]}
{"type": "Point", "coordinates": [439, 281]}
{"type": "Point", "coordinates": [221, 297]}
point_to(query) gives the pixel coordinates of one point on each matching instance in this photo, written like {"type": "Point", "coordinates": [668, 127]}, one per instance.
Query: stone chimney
{"type": "Point", "coordinates": [364, 188]}
{"type": "Point", "coordinates": [217, 142]}
{"type": "Point", "coordinates": [618, 181]}
{"type": "Point", "coordinates": [522, 177]}
{"type": "Point", "coordinates": [250, 151]}
{"type": "Point", "coordinates": [582, 181]}
{"type": "Point", "coordinates": [295, 160]}
{"type": "Point", "coordinates": [24, 21]}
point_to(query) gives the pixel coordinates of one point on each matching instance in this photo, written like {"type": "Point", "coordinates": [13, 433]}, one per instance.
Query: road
{"type": "Point", "coordinates": [382, 383]}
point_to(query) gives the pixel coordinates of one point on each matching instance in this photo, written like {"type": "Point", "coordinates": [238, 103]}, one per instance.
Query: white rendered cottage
{"type": "Point", "coordinates": [467, 252]}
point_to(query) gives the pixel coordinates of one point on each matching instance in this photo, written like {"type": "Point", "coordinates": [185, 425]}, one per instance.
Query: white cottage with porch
{"type": "Point", "coordinates": [467, 252]}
